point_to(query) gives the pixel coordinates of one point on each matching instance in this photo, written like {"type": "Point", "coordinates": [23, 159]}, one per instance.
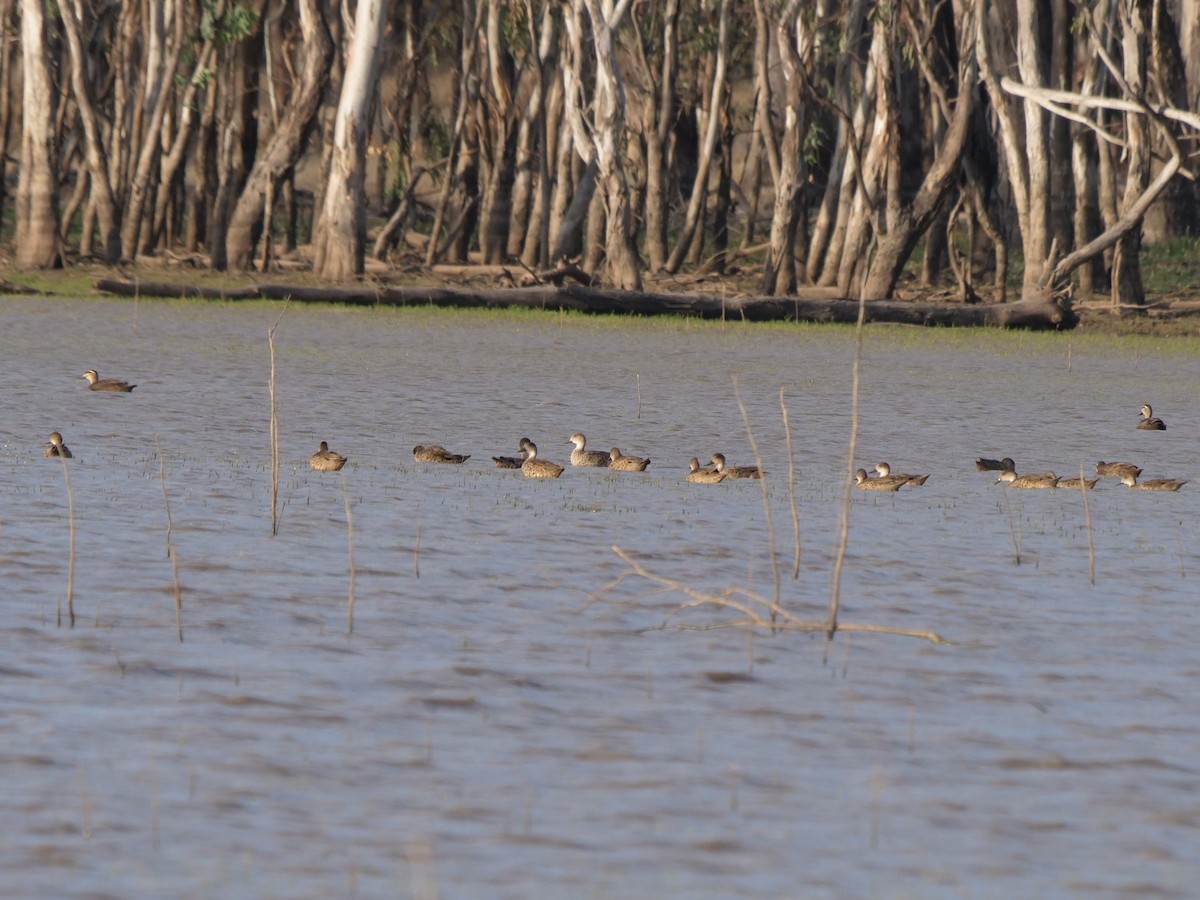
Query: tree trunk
{"type": "Point", "coordinates": [105, 204]}
{"type": "Point", "coordinates": [341, 243]}
{"type": "Point", "coordinates": [37, 240]}
{"type": "Point", "coordinates": [288, 141]}
{"type": "Point", "coordinates": [1127, 286]}
{"type": "Point", "coordinates": [700, 187]}
{"type": "Point", "coordinates": [779, 267]}
{"type": "Point", "coordinates": [6, 11]}
{"type": "Point", "coordinates": [909, 220]}
{"type": "Point", "coordinates": [623, 268]}
{"type": "Point", "coordinates": [659, 114]}
{"type": "Point", "coordinates": [158, 90]}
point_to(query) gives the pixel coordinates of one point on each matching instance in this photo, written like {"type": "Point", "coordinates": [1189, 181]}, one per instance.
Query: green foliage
{"type": "Point", "coordinates": [233, 25]}
{"type": "Point", "coordinates": [814, 140]}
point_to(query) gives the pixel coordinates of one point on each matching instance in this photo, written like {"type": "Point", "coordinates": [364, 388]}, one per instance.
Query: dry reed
{"type": "Point", "coordinates": [350, 553]}
{"type": "Point", "coordinates": [70, 548]}
{"type": "Point", "coordinates": [737, 393]}
{"type": "Point", "coordinates": [751, 610]}
{"type": "Point", "coordinates": [844, 525]}
{"type": "Point", "coordinates": [274, 426]}
{"type": "Point", "coordinates": [1014, 529]}
{"type": "Point", "coordinates": [417, 553]}
{"type": "Point", "coordinates": [162, 479]}
{"type": "Point", "coordinates": [1087, 517]}
{"type": "Point", "coordinates": [787, 435]}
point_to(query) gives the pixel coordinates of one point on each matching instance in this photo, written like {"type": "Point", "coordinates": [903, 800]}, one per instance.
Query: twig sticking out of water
{"type": "Point", "coordinates": [350, 553]}
{"type": "Point", "coordinates": [638, 378]}
{"type": "Point", "coordinates": [753, 610]}
{"type": "Point", "coordinates": [1087, 517]}
{"type": "Point", "coordinates": [844, 529]}
{"type": "Point", "coordinates": [71, 548]}
{"type": "Point", "coordinates": [417, 553]}
{"type": "Point", "coordinates": [765, 497]}
{"type": "Point", "coordinates": [274, 427]}
{"type": "Point", "coordinates": [1014, 528]}
{"type": "Point", "coordinates": [787, 434]}
{"type": "Point", "coordinates": [162, 479]}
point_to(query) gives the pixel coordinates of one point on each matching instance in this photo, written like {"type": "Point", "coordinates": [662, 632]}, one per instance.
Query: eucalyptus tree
{"type": "Point", "coordinates": [289, 135]}
{"type": "Point", "coordinates": [600, 139]}
{"type": "Point", "coordinates": [37, 237]}
{"type": "Point", "coordinates": [340, 239]}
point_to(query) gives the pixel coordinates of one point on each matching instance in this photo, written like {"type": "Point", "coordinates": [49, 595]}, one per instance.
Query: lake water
{"type": "Point", "coordinates": [497, 724]}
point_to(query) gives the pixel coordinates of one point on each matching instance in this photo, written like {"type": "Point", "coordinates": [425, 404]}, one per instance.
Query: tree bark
{"type": "Point", "coordinates": [907, 222]}
{"type": "Point", "coordinates": [102, 195]}
{"type": "Point", "coordinates": [623, 268]}
{"type": "Point", "coordinates": [341, 243]}
{"type": "Point", "coordinates": [779, 267]}
{"type": "Point", "coordinates": [1042, 310]}
{"type": "Point", "coordinates": [700, 187]}
{"type": "Point", "coordinates": [37, 240]}
{"type": "Point", "coordinates": [288, 141]}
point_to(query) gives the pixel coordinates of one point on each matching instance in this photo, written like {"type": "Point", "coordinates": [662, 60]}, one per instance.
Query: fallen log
{"type": "Point", "coordinates": [1043, 310]}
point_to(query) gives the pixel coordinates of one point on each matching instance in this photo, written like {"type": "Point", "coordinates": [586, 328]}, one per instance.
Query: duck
{"type": "Point", "coordinates": [983, 464]}
{"type": "Point", "coordinates": [56, 447]}
{"type": "Point", "coordinates": [1013, 480]}
{"type": "Point", "coordinates": [1149, 421]}
{"type": "Point", "coordinates": [622, 463]}
{"type": "Point", "coordinates": [697, 475]}
{"type": "Point", "coordinates": [1079, 483]}
{"type": "Point", "coordinates": [1154, 484]}
{"type": "Point", "coordinates": [436, 453]}
{"type": "Point", "coordinates": [1117, 469]}
{"type": "Point", "coordinates": [865, 483]}
{"type": "Point", "coordinates": [533, 467]}
{"type": "Point", "coordinates": [112, 385]}
{"type": "Point", "coordinates": [325, 460]}
{"type": "Point", "coordinates": [581, 457]}
{"type": "Point", "coordinates": [885, 471]}
{"type": "Point", "coordinates": [512, 462]}
{"type": "Point", "coordinates": [718, 460]}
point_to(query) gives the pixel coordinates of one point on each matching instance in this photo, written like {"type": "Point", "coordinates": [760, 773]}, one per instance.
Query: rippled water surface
{"type": "Point", "coordinates": [500, 725]}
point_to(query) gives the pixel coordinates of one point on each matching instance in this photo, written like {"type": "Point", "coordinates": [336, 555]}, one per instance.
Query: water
{"type": "Point", "coordinates": [500, 725]}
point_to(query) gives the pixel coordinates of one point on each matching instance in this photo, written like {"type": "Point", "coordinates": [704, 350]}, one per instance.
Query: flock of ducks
{"type": "Point", "coordinates": [534, 466]}
{"type": "Point", "coordinates": [1127, 473]}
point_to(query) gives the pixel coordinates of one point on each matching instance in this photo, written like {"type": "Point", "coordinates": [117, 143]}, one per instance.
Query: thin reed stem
{"type": "Point", "coordinates": [350, 555]}
{"type": "Point", "coordinates": [787, 434]}
{"type": "Point", "coordinates": [1087, 517]}
{"type": "Point", "coordinates": [274, 427]}
{"type": "Point", "coordinates": [775, 607]}
{"type": "Point", "coordinates": [417, 553]}
{"type": "Point", "coordinates": [844, 526]}
{"type": "Point", "coordinates": [638, 379]}
{"type": "Point", "coordinates": [162, 480]}
{"type": "Point", "coordinates": [1014, 529]}
{"type": "Point", "coordinates": [71, 547]}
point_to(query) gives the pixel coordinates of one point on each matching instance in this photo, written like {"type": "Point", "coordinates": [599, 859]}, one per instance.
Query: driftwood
{"type": "Point", "coordinates": [1044, 310]}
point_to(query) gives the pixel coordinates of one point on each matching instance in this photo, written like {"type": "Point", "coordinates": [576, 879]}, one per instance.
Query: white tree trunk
{"type": "Point", "coordinates": [340, 244]}
{"type": "Point", "coordinates": [38, 244]}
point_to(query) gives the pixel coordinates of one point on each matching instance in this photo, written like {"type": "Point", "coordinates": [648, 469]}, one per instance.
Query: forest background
{"type": "Point", "coordinates": [995, 148]}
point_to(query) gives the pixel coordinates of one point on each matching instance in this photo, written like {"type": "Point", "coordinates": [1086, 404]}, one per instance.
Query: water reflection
{"type": "Point", "coordinates": [492, 727]}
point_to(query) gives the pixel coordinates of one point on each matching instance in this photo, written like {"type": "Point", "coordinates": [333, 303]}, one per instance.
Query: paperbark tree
{"type": "Point", "coordinates": [779, 267]}
{"type": "Point", "coordinates": [288, 140]}
{"type": "Point", "coordinates": [602, 141]}
{"type": "Point", "coordinates": [341, 242]}
{"type": "Point", "coordinates": [907, 219]}
{"type": "Point", "coordinates": [38, 243]}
